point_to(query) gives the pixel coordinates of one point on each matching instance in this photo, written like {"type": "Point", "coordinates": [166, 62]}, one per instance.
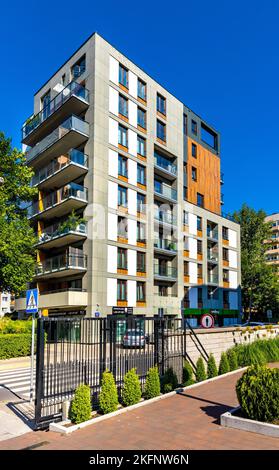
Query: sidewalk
{"type": "Point", "coordinates": [15, 363]}
{"type": "Point", "coordinates": [186, 421]}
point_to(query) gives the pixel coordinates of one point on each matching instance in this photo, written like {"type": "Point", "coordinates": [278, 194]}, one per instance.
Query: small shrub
{"type": "Point", "coordinates": [81, 405]}
{"type": "Point", "coordinates": [169, 378]}
{"type": "Point", "coordinates": [131, 393]}
{"type": "Point", "coordinates": [232, 358]}
{"type": "Point", "coordinates": [15, 345]}
{"type": "Point", "coordinates": [152, 384]}
{"type": "Point", "coordinates": [200, 370]}
{"type": "Point", "coordinates": [224, 365]}
{"type": "Point", "coordinates": [258, 393]}
{"type": "Point", "coordinates": [212, 370]}
{"type": "Point", "coordinates": [108, 398]}
{"type": "Point", "coordinates": [167, 388]}
{"type": "Point", "coordinates": [187, 374]}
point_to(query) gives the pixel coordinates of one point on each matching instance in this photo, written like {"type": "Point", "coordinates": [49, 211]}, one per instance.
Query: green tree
{"type": "Point", "coordinates": [260, 287]}
{"type": "Point", "coordinates": [152, 384]}
{"type": "Point", "coordinates": [200, 370]}
{"type": "Point", "coordinates": [211, 367]}
{"type": "Point", "coordinates": [131, 393]}
{"type": "Point", "coordinates": [17, 239]}
{"type": "Point", "coordinates": [81, 405]}
{"type": "Point", "coordinates": [224, 365]}
{"type": "Point", "coordinates": [108, 398]}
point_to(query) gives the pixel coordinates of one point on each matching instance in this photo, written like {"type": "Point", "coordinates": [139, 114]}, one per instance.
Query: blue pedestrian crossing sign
{"type": "Point", "coordinates": [32, 301]}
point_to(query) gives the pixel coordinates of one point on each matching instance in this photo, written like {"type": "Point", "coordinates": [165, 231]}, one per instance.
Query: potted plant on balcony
{"type": "Point", "coordinates": [71, 223]}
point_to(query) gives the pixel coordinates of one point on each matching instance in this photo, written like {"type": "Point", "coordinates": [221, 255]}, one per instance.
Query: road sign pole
{"type": "Point", "coordinates": [32, 359]}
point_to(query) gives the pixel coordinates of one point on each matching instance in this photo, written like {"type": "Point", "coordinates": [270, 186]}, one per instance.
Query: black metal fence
{"type": "Point", "coordinates": [71, 351]}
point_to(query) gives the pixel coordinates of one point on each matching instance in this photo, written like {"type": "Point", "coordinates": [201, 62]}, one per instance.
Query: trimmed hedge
{"type": "Point", "coordinates": [200, 370]}
{"type": "Point", "coordinates": [187, 374]}
{"type": "Point", "coordinates": [152, 384]}
{"type": "Point", "coordinates": [259, 352]}
{"type": "Point", "coordinates": [8, 326]}
{"type": "Point", "coordinates": [108, 398]}
{"type": "Point", "coordinates": [15, 345]}
{"type": "Point", "coordinates": [224, 366]}
{"type": "Point", "coordinates": [212, 370]}
{"type": "Point", "coordinates": [131, 392]}
{"type": "Point", "coordinates": [80, 410]}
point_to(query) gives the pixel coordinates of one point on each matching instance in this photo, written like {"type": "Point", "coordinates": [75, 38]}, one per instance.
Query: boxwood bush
{"type": "Point", "coordinates": [131, 392]}
{"type": "Point", "coordinates": [108, 398]}
{"type": "Point", "coordinates": [258, 393]}
{"type": "Point", "coordinates": [15, 345]}
{"type": "Point", "coordinates": [81, 405]}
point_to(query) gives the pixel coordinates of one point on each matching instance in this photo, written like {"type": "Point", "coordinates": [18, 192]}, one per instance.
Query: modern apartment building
{"type": "Point", "coordinates": [109, 142]}
{"type": "Point", "coordinates": [7, 303]}
{"type": "Point", "coordinates": [272, 253]}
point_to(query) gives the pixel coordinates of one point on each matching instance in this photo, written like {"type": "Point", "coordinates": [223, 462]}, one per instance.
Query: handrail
{"type": "Point", "coordinates": [206, 356]}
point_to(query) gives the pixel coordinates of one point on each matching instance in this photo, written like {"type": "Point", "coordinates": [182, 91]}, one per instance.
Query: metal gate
{"type": "Point", "coordinates": [71, 351]}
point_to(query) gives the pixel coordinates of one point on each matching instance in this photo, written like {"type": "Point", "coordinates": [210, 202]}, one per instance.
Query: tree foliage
{"type": "Point", "coordinates": [17, 239]}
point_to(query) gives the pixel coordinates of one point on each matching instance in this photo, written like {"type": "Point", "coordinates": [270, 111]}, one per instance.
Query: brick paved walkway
{"type": "Point", "coordinates": [187, 421]}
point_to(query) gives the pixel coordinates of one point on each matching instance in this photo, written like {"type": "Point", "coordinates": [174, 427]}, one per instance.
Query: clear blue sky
{"type": "Point", "coordinates": [219, 57]}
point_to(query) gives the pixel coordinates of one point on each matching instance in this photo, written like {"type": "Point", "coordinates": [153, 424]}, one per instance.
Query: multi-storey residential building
{"type": "Point", "coordinates": [6, 303]}
{"type": "Point", "coordinates": [144, 170]}
{"type": "Point", "coordinates": [272, 253]}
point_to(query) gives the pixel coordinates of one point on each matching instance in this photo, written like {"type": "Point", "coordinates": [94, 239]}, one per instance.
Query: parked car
{"type": "Point", "coordinates": [134, 339]}
{"type": "Point", "coordinates": [253, 323]}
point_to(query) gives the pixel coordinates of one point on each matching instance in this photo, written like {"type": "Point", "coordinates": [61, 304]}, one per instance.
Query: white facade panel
{"type": "Point", "coordinates": [111, 292]}
{"type": "Point", "coordinates": [133, 113]}
{"type": "Point", "coordinates": [132, 262]}
{"type": "Point", "coordinates": [133, 84]}
{"type": "Point", "coordinates": [113, 101]}
{"type": "Point", "coordinates": [132, 232]}
{"type": "Point", "coordinates": [112, 194]}
{"type": "Point", "coordinates": [112, 226]}
{"type": "Point", "coordinates": [132, 172]}
{"type": "Point", "coordinates": [132, 201]}
{"type": "Point", "coordinates": [113, 132]}
{"type": "Point", "coordinates": [192, 224]}
{"type": "Point", "coordinates": [193, 297]}
{"type": "Point", "coordinates": [112, 259]}
{"type": "Point", "coordinates": [233, 300]}
{"type": "Point", "coordinates": [193, 272]}
{"type": "Point", "coordinates": [132, 293]}
{"type": "Point", "coordinates": [232, 259]}
{"type": "Point", "coordinates": [132, 142]}
{"type": "Point", "coordinates": [113, 163]}
{"type": "Point", "coordinates": [113, 70]}
{"type": "Point", "coordinates": [232, 238]}
{"type": "Point", "coordinates": [233, 279]}
{"type": "Point", "coordinates": [193, 248]}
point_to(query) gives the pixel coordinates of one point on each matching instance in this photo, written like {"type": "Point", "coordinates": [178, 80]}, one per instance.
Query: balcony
{"type": "Point", "coordinates": [212, 233]}
{"type": "Point", "coordinates": [70, 134]}
{"type": "Point", "coordinates": [167, 273]}
{"type": "Point", "coordinates": [56, 236]}
{"type": "Point", "coordinates": [213, 279]}
{"type": "Point", "coordinates": [66, 264]}
{"type": "Point", "coordinates": [63, 298]}
{"type": "Point", "coordinates": [212, 256]}
{"type": "Point", "coordinates": [61, 170]}
{"type": "Point", "coordinates": [73, 99]}
{"type": "Point", "coordinates": [165, 167]}
{"type": "Point", "coordinates": [60, 202]}
{"type": "Point", "coordinates": [165, 218]}
{"type": "Point", "coordinates": [166, 247]}
{"type": "Point", "coordinates": [164, 191]}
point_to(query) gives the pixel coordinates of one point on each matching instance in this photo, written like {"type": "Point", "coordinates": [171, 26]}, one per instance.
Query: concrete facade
{"type": "Point", "coordinates": [172, 274]}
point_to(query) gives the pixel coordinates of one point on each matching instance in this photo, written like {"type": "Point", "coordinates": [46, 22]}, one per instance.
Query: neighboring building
{"type": "Point", "coordinates": [6, 303]}
{"type": "Point", "coordinates": [272, 253]}
{"type": "Point", "coordinates": [105, 133]}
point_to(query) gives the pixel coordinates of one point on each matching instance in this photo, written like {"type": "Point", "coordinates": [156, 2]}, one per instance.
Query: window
{"type": "Point", "coordinates": [122, 166]}
{"type": "Point", "coordinates": [122, 227]}
{"type": "Point", "coordinates": [45, 104]}
{"type": "Point", "coordinates": [122, 136]}
{"type": "Point", "coordinates": [141, 89]}
{"type": "Point", "coordinates": [121, 290]}
{"type": "Point", "coordinates": [199, 247]}
{"type": "Point", "coordinates": [123, 76]}
{"type": "Point", "coordinates": [194, 150]}
{"type": "Point", "coordinates": [200, 200]}
{"type": "Point", "coordinates": [141, 232]}
{"type": "Point", "coordinates": [194, 173]}
{"type": "Point", "coordinates": [212, 293]}
{"type": "Point", "coordinates": [141, 146]}
{"type": "Point", "coordinates": [121, 258]}
{"type": "Point", "coordinates": [141, 118]}
{"type": "Point", "coordinates": [161, 130]}
{"type": "Point", "coordinates": [63, 79]}
{"type": "Point", "coordinates": [225, 275]}
{"type": "Point", "coordinates": [78, 68]}
{"type": "Point", "coordinates": [122, 196]}
{"type": "Point", "coordinates": [185, 122]}
{"type": "Point", "coordinates": [186, 268]}
{"type": "Point", "coordinates": [141, 174]}
{"type": "Point", "coordinates": [140, 291]}
{"type": "Point", "coordinates": [140, 202]}
{"type": "Point", "coordinates": [208, 136]}
{"type": "Point", "coordinates": [162, 291]}
{"type": "Point", "coordinates": [123, 105]}
{"type": "Point", "coordinates": [161, 104]}
{"type": "Point", "coordinates": [199, 223]}
{"type": "Point", "coordinates": [185, 218]}
{"type": "Point", "coordinates": [200, 271]}
{"type": "Point", "coordinates": [200, 294]}
{"type": "Point", "coordinates": [225, 254]}
{"type": "Point", "coordinates": [140, 262]}
{"type": "Point", "coordinates": [194, 127]}
{"type": "Point", "coordinates": [225, 233]}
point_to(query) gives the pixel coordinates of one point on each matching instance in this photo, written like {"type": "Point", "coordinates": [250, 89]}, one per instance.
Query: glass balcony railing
{"type": "Point", "coordinates": [71, 190]}
{"type": "Point", "coordinates": [56, 230]}
{"type": "Point", "coordinates": [73, 123]}
{"type": "Point", "coordinates": [212, 233]}
{"type": "Point", "coordinates": [213, 278]}
{"type": "Point", "coordinates": [165, 217]}
{"type": "Point", "coordinates": [72, 89]}
{"type": "Point", "coordinates": [61, 262]}
{"type": "Point", "coordinates": [212, 256]}
{"type": "Point", "coordinates": [163, 244]}
{"type": "Point", "coordinates": [74, 156]}
{"type": "Point", "coordinates": [165, 164]}
{"type": "Point", "coordinates": [165, 271]}
{"type": "Point", "coordinates": [165, 190]}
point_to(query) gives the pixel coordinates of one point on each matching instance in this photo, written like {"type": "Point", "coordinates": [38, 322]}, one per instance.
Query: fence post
{"type": "Point", "coordinates": [39, 369]}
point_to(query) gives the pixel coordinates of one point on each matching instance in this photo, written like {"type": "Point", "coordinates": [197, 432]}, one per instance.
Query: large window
{"type": "Point", "coordinates": [141, 89]}
{"type": "Point", "coordinates": [140, 291]}
{"type": "Point", "coordinates": [199, 247]}
{"type": "Point", "coordinates": [199, 223]}
{"type": "Point", "coordinates": [121, 258]}
{"type": "Point", "coordinates": [141, 174]}
{"type": "Point", "coordinates": [185, 217]}
{"type": "Point", "coordinates": [225, 254]}
{"type": "Point", "coordinates": [161, 130]}
{"type": "Point", "coordinates": [208, 136]}
{"type": "Point", "coordinates": [123, 106]}
{"type": "Point", "coordinates": [121, 290]}
{"type": "Point", "coordinates": [194, 174]}
{"type": "Point", "coordinates": [123, 76]}
{"type": "Point", "coordinates": [122, 196]}
{"type": "Point", "coordinates": [225, 233]}
{"type": "Point", "coordinates": [141, 118]}
{"type": "Point", "coordinates": [45, 104]}
{"type": "Point", "coordinates": [140, 262]}
{"type": "Point", "coordinates": [78, 68]}
{"type": "Point", "coordinates": [194, 127]}
{"type": "Point", "coordinates": [122, 166]}
{"type": "Point", "coordinates": [161, 104]}
{"type": "Point", "coordinates": [141, 236]}
{"type": "Point", "coordinates": [140, 202]}
{"type": "Point", "coordinates": [194, 150]}
{"type": "Point", "coordinates": [122, 136]}
{"type": "Point", "coordinates": [141, 146]}
{"type": "Point", "coordinates": [200, 200]}
{"type": "Point", "coordinates": [122, 227]}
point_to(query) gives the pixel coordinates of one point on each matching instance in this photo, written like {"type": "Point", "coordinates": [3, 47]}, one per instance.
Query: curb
{"type": "Point", "coordinates": [244, 424]}
{"type": "Point", "coordinates": [62, 429]}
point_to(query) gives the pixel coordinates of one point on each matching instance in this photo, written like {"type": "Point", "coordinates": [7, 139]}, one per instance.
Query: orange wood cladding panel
{"type": "Point", "coordinates": [208, 177]}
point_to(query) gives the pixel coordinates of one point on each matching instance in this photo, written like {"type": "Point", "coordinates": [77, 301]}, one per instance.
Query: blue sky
{"type": "Point", "coordinates": [219, 57]}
